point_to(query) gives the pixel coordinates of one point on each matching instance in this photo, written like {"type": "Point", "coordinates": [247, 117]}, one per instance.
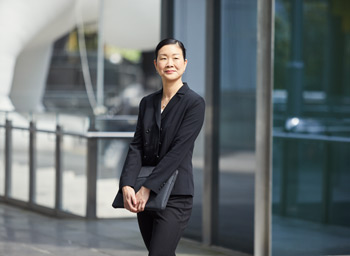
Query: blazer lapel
{"type": "Point", "coordinates": [177, 97]}
{"type": "Point", "coordinates": [170, 105]}
{"type": "Point", "coordinates": [156, 105]}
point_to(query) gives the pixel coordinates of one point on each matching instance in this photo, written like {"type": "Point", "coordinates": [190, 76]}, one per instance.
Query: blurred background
{"type": "Point", "coordinates": [71, 66]}
{"type": "Point", "coordinates": [73, 73]}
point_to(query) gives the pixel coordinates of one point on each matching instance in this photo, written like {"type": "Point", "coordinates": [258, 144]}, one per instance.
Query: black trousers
{"type": "Point", "coordinates": [161, 230]}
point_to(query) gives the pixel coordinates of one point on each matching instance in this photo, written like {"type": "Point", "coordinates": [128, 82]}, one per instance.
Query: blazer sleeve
{"type": "Point", "coordinates": [133, 161]}
{"type": "Point", "coordinates": [182, 143]}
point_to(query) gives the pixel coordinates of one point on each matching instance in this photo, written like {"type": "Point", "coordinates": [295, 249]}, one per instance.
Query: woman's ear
{"type": "Point", "coordinates": [185, 63]}
{"type": "Point", "coordinates": [155, 64]}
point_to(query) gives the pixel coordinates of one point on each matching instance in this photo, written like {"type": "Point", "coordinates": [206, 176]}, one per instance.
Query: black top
{"type": "Point", "coordinates": [165, 140]}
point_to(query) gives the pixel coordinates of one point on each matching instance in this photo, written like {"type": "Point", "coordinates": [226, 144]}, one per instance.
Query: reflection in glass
{"type": "Point", "coordinates": [311, 201]}
{"type": "Point", "coordinates": [237, 125]}
{"type": "Point", "coordinates": [194, 229]}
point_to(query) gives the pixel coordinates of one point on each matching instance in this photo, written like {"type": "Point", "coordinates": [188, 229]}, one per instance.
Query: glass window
{"type": "Point", "coordinates": [237, 124]}
{"type": "Point", "coordinates": [311, 201]}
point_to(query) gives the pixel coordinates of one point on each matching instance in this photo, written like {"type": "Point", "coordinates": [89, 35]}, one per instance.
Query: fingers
{"type": "Point", "coordinates": [142, 197]}
{"type": "Point", "coordinates": [135, 202]}
{"type": "Point", "coordinates": [141, 205]}
{"type": "Point", "coordinates": [129, 197]}
{"type": "Point", "coordinates": [130, 204]}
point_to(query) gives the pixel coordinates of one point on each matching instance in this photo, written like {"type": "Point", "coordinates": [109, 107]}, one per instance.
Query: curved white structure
{"type": "Point", "coordinates": [30, 27]}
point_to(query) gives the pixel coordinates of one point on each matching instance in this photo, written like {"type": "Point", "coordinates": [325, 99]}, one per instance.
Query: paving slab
{"type": "Point", "coordinates": [23, 232]}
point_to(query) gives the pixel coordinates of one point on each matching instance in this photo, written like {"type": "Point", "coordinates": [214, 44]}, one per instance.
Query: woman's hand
{"type": "Point", "coordinates": [129, 197]}
{"type": "Point", "coordinates": [142, 197]}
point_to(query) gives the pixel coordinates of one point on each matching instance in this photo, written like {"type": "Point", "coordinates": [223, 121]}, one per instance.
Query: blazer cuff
{"type": "Point", "coordinates": [125, 183]}
{"type": "Point", "coordinates": [154, 188]}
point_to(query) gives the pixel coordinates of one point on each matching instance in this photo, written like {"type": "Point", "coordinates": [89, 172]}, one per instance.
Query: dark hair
{"type": "Point", "coordinates": [170, 41]}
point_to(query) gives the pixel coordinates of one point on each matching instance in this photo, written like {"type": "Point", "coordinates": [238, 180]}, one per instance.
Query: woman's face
{"type": "Point", "coordinates": [170, 63]}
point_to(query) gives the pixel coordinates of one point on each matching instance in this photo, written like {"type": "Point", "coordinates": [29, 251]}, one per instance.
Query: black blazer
{"type": "Point", "coordinates": [165, 140]}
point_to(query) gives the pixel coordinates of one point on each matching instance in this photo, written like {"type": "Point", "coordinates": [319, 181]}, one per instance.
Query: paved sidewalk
{"type": "Point", "coordinates": [26, 233]}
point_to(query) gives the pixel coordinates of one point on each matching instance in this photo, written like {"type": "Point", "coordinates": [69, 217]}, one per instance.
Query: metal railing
{"type": "Point", "coordinates": [291, 149]}
{"type": "Point", "coordinates": [92, 136]}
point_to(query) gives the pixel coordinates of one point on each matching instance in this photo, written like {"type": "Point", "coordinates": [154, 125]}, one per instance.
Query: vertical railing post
{"type": "Point", "coordinates": [263, 128]}
{"type": "Point", "coordinates": [92, 152]}
{"type": "Point", "coordinates": [8, 159]}
{"type": "Point", "coordinates": [32, 162]}
{"type": "Point", "coordinates": [58, 167]}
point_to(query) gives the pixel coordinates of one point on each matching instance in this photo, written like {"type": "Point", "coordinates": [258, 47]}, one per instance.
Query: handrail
{"type": "Point", "coordinates": [92, 136]}
{"type": "Point", "coordinates": [118, 118]}
{"type": "Point", "coordinates": [129, 134]}
{"type": "Point", "coordinates": [316, 137]}
{"type": "Point", "coordinates": [102, 135]}
{"type": "Point", "coordinates": [97, 117]}
{"type": "Point", "coordinates": [47, 113]}
{"type": "Point", "coordinates": [115, 135]}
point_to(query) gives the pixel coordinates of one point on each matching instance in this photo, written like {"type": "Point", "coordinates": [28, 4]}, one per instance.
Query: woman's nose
{"type": "Point", "coordinates": [170, 63]}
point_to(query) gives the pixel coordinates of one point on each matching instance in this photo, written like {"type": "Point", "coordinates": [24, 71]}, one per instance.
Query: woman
{"type": "Point", "coordinates": [168, 123]}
